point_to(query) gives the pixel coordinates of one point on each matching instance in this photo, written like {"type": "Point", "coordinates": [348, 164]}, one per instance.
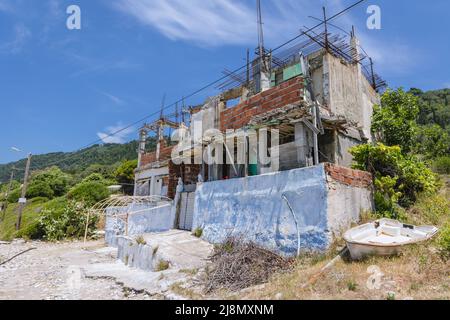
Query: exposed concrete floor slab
{"type": "Point", "coordinates": [181, 248]}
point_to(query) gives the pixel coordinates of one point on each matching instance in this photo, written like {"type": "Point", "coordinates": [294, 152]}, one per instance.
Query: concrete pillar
{"type": "Point", "coordinates": [304, 143]}
{"type": "Point", "coordinates": [265, 81]}
{"type": "Point", "coordinates": [142, 141]}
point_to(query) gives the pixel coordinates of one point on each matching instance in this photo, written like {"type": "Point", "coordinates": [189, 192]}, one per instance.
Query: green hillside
{"type": "Point", "coordinates": [75, 162]}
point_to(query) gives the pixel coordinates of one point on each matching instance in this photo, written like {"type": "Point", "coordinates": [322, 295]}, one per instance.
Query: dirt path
{"type": "Point", "coordinates": [56, 272]}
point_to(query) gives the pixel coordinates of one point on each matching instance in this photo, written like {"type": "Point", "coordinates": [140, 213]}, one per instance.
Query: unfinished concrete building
{"type": "Point", "coordinates": [319, 96]}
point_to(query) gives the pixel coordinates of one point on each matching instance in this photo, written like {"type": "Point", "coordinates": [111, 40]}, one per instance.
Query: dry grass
{"type": "Point", "coordinates": [421, 272]}
{"type": "Point", "coordinates": [162, 265]}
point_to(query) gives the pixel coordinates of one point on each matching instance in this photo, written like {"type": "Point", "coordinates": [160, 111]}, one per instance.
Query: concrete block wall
{"type": "Point", "coordinates": [289, 92]}
{"type": "Point", "coordinates": [253, 208]}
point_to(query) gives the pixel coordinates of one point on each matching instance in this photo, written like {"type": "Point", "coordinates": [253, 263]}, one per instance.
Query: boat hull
{"type": "Point", "coordinates": [361, 251]}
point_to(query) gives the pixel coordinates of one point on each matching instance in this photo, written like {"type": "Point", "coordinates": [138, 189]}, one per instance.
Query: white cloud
{"type": "Point", "coordinates": [111, 134]}
{"type": "Point", "coordinates": [233, 22]}
{"type": "Point", "coordinates": [116, 100]}
{"type": "Point", "coordinates": [21, 35]}
{"type": "Point", "coordinates": [447, 85]}
{"type": "Point", "coordinates": [223, 22]}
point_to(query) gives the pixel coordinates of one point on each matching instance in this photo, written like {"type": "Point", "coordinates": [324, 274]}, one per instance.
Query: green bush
{"type": "Point", "coordinates": [442, 165]}
{"type": "Point", "coordinates": [65, 219]}
{"type": "Point", "coordinates": [394, 121]}
{"type": "Point", "coordinates": [432, 141]}
{"type": "Point", "coordinates": [40, 189]}
{"type": "Point", "coordinates": [49, 183]}
{"type": "Point", "coordinates": [125, 175]}
{"type": "Point", "coordinates": [89, 192]}
{"type": "Point", "coordinates": [14, 195]}
{"type": "Point", "coordinates": [444, 241]}
{"type": "Point", "coordinates": [399, 179]}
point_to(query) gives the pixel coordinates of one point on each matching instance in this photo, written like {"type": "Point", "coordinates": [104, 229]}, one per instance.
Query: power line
{"type": "Point", "coordinates": [156, 113]}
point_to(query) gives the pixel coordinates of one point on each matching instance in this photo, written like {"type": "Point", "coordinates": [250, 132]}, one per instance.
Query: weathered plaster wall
{"type": "Point", "coordinates": [325, 200]}
{"type": "Point", "coordinates": [350, 193]}
{"type": "Point", "coordinates": [156, 219]}
{"type": "Point", "coordinates": [144, 220]}
{"type": "Point", "coordinates": [349, 94]}
{"type": "Point", "coordinates": [253, 207]}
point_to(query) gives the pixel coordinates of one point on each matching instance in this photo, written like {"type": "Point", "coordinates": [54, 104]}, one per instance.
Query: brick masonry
{"type": "Point", "coordinates": [289, 92]}
{"type": "Point", "coordinates": [350, 177]}
{"type": "Point", "coordinates": [188, 172]}
{"type": "Point", "coordinates": [165, 154]}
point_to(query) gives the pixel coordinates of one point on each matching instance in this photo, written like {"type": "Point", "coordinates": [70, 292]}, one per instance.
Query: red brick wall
{"type": "Point", "coordinates": [288, 92]}
{"type": "Point", "coordinates": [189, 173]}
{"type": "Point", "coordinates": [347, 176]}
{"type": "Point", "coordinates": [165, 154]}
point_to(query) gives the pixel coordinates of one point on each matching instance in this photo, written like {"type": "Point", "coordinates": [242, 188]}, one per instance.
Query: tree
{"type": "Point", "coordinates": [125, 175]}
{"type": "Point", "coordinates": [89, 193]}
{"type": "Point", "coordinates": [432, 141]}
{"type": "Point", "coordinates": [394, 121]}
{"type": "Point", "coordinates": [399, 179]}
{"type": "Point", "coordinates": [49, 183]}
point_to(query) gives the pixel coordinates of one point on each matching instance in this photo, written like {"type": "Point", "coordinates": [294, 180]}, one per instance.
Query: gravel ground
{"type": "Point", "coordinates": [54, 271]}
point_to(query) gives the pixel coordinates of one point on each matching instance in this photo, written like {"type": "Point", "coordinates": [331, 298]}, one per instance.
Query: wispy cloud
{"type": "Point", "coordinates": [21, 35]}
{"type": "Point", "coordinates": [233, 22]}
{"type": "Point", "coordinates": [116, 100]}
{"type": "Point", "coordinates": [119, 137]}
{"type": "Point", "coordinates": [94, 65]}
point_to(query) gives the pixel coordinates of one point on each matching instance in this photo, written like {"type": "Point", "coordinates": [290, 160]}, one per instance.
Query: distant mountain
{"type": "Point", "coordinates": [74, 162]}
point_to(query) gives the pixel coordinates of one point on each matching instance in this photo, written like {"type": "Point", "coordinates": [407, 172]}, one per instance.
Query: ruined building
{"type": "Point", "coordinates": [319, 96]}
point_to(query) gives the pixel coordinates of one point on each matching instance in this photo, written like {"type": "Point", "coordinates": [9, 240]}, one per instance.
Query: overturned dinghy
{"type": "Point", "coordinates": [384, 237]}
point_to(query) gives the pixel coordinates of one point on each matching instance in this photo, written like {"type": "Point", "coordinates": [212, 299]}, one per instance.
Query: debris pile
{"type": "Point", "coordinates": [237, 265]}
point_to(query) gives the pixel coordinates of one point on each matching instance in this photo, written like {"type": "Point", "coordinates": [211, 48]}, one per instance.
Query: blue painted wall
{"type": "Point", "coordinates": [253, 208]}
{"type": "Point", "coordinates": [147, 220]}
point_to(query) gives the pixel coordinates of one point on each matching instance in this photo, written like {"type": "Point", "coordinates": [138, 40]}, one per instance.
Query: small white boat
{"type": "Point", "coordinates": [384, 237]}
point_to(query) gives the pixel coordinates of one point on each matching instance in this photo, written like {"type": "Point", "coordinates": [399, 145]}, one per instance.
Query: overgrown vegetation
{"type": "Point", "coordinates": [399, 179]}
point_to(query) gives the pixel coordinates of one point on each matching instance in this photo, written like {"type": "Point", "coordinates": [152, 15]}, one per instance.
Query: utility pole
{"type": "Point", "coordinates": [374, 83]}
{"type": "Point", "coordinates": [22, 201]}
{"type": "Point", "coordinates": [7, 193]}
{"type": "Point", "coordinates": [326, 29]}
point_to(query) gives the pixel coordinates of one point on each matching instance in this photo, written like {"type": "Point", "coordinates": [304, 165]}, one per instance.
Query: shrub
{"type": "Point", "coordinates": [94, 177]}
{"type": "Point", "coordinates": [394, 121]}
{"type": "Point", "coordinates": [49, 183]}
{"type": "Point", "coordinates": [89, 192]}
{"type": "Point", "coordinates": [198, 232]}
{"type": "Point", "coordinates": [14, 196]}
{"type": "Point", "coordinates": [125, 175]}
{"type": "Point", "coordinates": [40, 189]}
{"type": "Point", "coordinates": [65, 219]}
{"type": "Point", "coordinates": [431, 210]}
{"type": "Point", "coordinates": [432, 141]}
{"type": "Point", "coordinates": [399, 179]}
{"type": "Point", "coordinates": [444, 241]}
{"type": "Point", "coordinates": [442, 165]}
{"type": "Point", "coordinates": [162, 265]}
{"type": "Point", "coordinates": [141, 240]}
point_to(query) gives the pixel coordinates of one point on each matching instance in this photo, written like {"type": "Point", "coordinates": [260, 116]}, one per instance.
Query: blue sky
{"type": "Point", "coordinates": [61, 89]}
